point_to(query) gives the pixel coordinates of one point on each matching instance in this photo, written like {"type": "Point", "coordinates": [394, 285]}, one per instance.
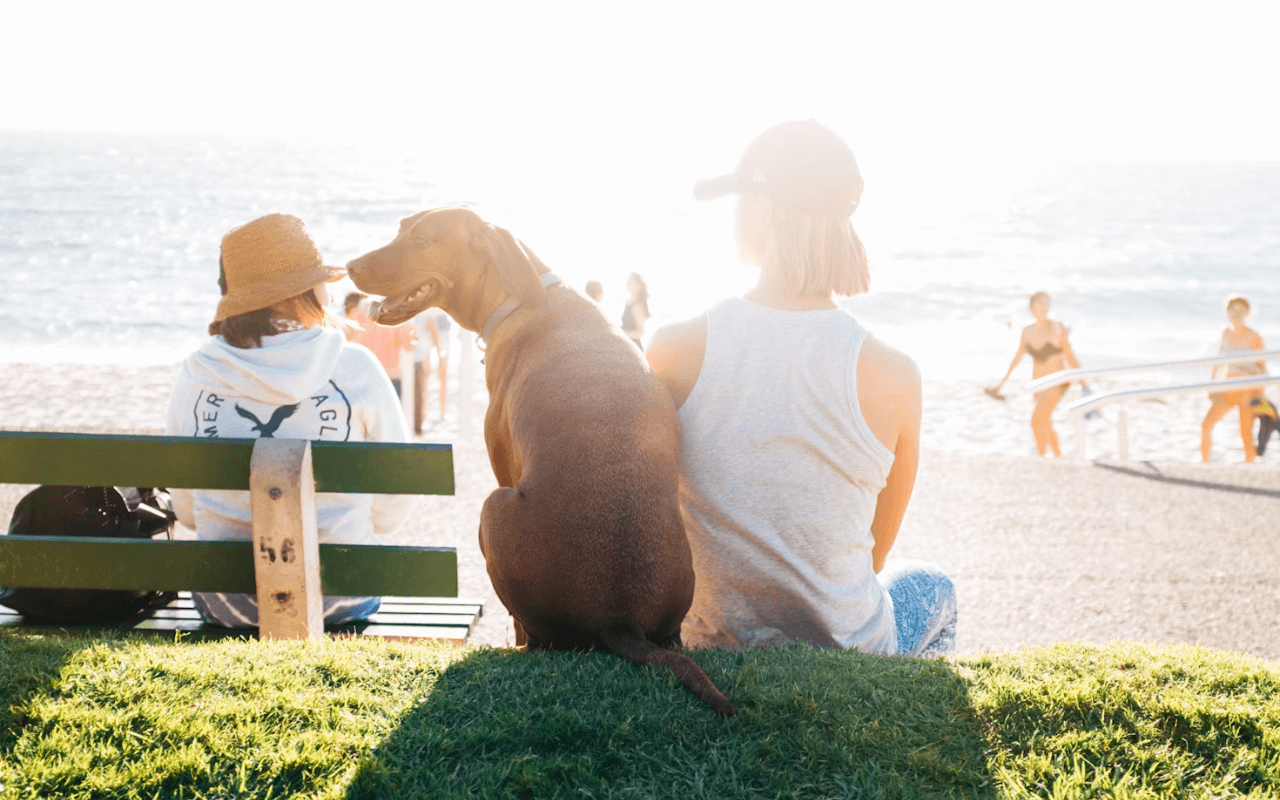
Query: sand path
{"type": "Point", "coordinates": [1040, 551]}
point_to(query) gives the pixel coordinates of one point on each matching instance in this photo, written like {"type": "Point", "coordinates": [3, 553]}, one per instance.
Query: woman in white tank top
{"type": "Point", "coordinates": [800, 431]}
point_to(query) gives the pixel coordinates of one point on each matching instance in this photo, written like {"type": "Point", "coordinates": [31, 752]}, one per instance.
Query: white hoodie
{"type": "Point", "coordinates": [310, 384]}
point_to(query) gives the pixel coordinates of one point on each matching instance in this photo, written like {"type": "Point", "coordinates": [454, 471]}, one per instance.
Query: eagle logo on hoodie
{"type": "Point", "coordinates": [266, 430]}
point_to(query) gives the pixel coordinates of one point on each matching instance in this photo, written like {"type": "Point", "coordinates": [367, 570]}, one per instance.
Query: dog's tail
{"type": "Point", "coordinates": [624, 637]}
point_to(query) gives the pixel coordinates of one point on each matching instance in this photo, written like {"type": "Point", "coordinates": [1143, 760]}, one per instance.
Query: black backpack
{"type": "Point", "coordinates": [105, 511]}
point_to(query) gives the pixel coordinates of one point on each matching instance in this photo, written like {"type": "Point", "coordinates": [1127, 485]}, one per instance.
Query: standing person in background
{"type": "Point", "coordinates": [355, 317]}
{"type": "Point", "coordinates": [387, 343]}
{"type": "Point", "coordinates": [1235, 337]}
{"type": "Point", "coordinates": [439, 327]}
{"type": "Point", "coordinates": [636, 311]}
{"type": "Point", "coordinates": [800, 432]}
{"type": "Point", "coordinates": [595, 291]}
{"type": "Point", "coordinates": [276, 366]}
{"type": "Point", "coordinates": [1045, 340]}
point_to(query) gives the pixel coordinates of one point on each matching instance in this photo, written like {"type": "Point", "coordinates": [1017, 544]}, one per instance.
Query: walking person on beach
{"type": "Point", "coordinates": [636, 312]}
{"type": "Point", "coordinates": [355, 316]}
{"type": "Point", "coordinates": [432, 328]}
{"type": "Point", "coordinates": [387, 344]}
{"type": "Point", "coordinates": [800, 431]}
{"type": "Point", "coordinates": [276, 365]}
{"type": "Point", "coordinates": [1045, 340]}
{"type": "Point", "coordinates": [1235, 337]}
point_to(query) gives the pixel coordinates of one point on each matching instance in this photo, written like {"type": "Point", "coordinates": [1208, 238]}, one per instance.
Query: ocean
{"type": "Point", "coordinates": [109, 248]}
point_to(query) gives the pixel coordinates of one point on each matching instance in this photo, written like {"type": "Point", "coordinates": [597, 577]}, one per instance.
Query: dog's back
{"type": "Point", "coordinates": [597, 443]}
{"type": "Point", "coordinates": [601, 557]}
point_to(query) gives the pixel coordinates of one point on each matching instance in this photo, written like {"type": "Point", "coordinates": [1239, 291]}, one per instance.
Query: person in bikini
{"type": "Point", "coordinates": [1236, 336]}
{"type": "Point", "coordinates": [1045, 340]}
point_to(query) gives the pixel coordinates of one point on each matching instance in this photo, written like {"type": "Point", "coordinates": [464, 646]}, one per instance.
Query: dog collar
{"type": "Point", "coordinates": [508, 307]}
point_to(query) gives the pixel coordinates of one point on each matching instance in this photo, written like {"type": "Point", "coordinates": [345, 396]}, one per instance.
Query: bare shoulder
{"type": "Point", "coordinates": [888, 368]}
{"type": "Point", "coordinates": [889, 391]}
{"type": "Point", "coordinates": [675, 354]}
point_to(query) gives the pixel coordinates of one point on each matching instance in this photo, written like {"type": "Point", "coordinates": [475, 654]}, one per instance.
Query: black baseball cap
{"type": "Point", "coordinates": [801, 164]}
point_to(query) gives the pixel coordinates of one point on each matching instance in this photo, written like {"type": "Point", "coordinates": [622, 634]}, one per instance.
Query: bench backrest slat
{"type": "Point", "coordinates": [73, 562]}
{"type": "Point", "coordinates": [180, 462]}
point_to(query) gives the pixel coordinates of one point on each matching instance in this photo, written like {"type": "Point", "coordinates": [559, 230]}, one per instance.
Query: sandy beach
{"type": "Point", "coordinates": [1040, 550]}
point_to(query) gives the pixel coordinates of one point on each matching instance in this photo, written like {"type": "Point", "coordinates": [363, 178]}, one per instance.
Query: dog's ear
{"type": "Point", "coordinates": [394, 310]}
{"type": "Point", "coordinates": [538, 266]}
{"type": "Point", "coordinates": [514, 267]}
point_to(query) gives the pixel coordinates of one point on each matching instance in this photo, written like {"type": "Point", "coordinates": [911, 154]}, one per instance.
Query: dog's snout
{"type": "Point", "coordinates": [365, 275]}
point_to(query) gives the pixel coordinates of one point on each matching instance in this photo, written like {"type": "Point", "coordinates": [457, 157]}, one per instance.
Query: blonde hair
{"type": "Point", "coordinates": [1238, 300]}
{"type": "Point", "coordinates": [1038, 296]}
{"type": "Point", "coordinates": [817, 252]}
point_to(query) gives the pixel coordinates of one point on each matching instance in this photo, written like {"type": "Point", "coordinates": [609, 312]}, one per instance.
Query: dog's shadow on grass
{"type": "Point", "coordinates": [811, 722]}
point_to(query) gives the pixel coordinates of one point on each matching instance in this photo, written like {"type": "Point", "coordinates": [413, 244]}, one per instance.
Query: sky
{"type": "Point", "coordinates": [629, 89]}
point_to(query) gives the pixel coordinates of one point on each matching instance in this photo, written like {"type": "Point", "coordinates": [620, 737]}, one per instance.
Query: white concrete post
{"type": "Point", "coordinates": [1122, 434]}
{"type": "Point", "coordinates": [466, 348]}
{"type": "Point", "coordinates": [407, 389]}
{"type": "Point", "coordinates": [286, 546]}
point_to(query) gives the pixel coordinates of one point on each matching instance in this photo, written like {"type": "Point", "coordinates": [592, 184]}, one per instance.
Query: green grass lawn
{"type": "Point", "coordinates": [92, 717]}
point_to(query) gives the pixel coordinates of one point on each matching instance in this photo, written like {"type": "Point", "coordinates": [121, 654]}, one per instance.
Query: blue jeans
{"type": "Point", "coordinates": [924, 607]}
{"type": "Point", "coordinates": [241, 610]}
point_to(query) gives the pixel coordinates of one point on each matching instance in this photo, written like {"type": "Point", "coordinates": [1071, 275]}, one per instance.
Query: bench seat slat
{"type": "Point", "coordinates": [451, 633]}
{"type": "Point", "coordinates": [69, 562]}
{"type": "Point", "coordinates": [390, 603]}
{"type": "Point", "coordinates": [182, 462]}
{"type": "Point", "coordinates": [436, 607]}
{"type": "Point", "coordinates": [172, 619]}
{"type": "Point", "coordinates": [422, 619]}
{"type": "Point", "coordinates": [391, 618]}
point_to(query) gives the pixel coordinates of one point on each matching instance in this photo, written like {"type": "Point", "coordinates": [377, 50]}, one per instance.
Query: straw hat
{"type": "Point", "coordinates": [269, 260]}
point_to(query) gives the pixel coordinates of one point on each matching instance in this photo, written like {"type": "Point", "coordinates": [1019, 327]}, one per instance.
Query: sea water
{"type": "Point", "coordinates": [109, 251]}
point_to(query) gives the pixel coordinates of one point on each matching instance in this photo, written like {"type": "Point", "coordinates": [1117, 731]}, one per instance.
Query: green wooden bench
{"type": "Point", "coordinates": [284, 564]}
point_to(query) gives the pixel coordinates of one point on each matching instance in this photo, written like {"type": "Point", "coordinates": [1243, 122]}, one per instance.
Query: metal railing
{"type": "Point", "coordinates": [1084, 405]}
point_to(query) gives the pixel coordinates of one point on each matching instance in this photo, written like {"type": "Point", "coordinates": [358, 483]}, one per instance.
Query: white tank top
{"type": "Point", "coordinates": [779, 481]}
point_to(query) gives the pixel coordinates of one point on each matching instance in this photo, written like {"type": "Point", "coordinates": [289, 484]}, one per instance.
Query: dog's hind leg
{"type": "Point", "coordinates": [495, 531]}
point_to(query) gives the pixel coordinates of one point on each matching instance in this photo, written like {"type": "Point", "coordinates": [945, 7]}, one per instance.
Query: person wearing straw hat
{"type": "Point", "coordinates": [275, 365]}
{"type": "Point", "coordinates": [799, 430]}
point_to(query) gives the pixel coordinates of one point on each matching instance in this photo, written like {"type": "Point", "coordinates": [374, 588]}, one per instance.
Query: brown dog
{"type": "Point", "coordinates": [583, 541]}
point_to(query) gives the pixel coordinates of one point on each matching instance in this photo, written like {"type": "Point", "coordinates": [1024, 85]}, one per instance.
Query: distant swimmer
{"type": "Point", "coordinates": [1235, 337]}
{"type": "Point", "coordinates": [1045, 340]}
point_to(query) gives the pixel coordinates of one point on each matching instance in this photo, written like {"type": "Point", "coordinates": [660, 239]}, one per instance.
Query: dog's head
{"type": "Point", "coordinates": [451, 258]}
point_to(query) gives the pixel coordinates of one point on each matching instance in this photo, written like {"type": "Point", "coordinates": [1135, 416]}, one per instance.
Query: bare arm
{"type": "Point", "coordinates": [1068, 355]}
{"type": "Point", "coordinates": [1219, 370]}
{"type": "Point", "coordinates": [897, 398]}
{"type": "Point", "coordinates": [675, 354]}
{"type": "Point", "coordinates": [1017, 357]}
